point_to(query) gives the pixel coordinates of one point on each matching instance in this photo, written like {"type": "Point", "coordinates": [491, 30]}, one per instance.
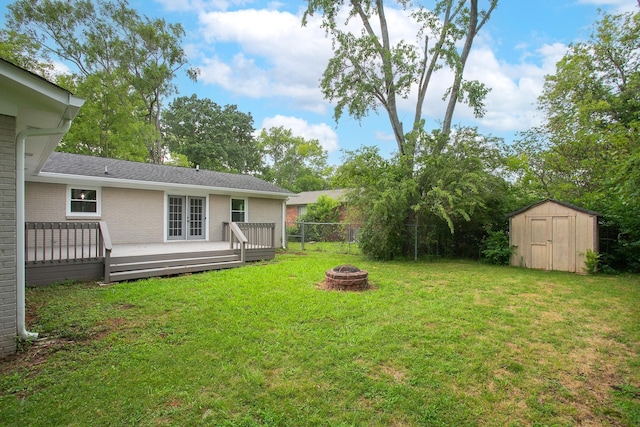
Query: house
{"type": "Point", "coordinates": [67, 216]}
{"type": "Point", "coordinates": [34, 115]}
{"type": "Point", "coordinates": [150, 210]}
{"type": "Point", "coordinates": [297, 204]}
{"type": "Point", "coordinates": [552, 235]}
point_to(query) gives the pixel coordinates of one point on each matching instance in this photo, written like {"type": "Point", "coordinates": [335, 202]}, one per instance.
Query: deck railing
{"type": "Point", "coordinates": [259, 235]}
{"type": "Point", "coordinates": [57, 241]}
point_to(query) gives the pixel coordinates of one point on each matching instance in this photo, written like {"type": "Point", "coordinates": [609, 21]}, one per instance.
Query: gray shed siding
{"type": "Point", "coordinates": [8, 283]}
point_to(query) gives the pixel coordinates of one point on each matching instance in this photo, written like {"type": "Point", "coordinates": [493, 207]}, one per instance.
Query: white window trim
{"type": "Point", "coordinates": [72, 215]}
{"type": "Point", "coordinates": [246, 208]}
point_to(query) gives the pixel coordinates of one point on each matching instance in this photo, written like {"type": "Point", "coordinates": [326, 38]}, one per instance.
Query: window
{"type": "Point", "coordinates": [83, 201]}
{"type": "Point", "coordinates": [238, 210]}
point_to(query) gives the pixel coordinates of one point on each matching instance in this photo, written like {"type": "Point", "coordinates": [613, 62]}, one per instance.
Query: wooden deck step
{"type": "Point", "coordinates": [142, 266]}
{"type": "Point", "coordinates": [167, 263]}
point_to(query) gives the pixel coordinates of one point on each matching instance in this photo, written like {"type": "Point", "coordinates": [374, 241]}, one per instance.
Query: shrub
{"type": "Point", "coordinates": [496, 248]}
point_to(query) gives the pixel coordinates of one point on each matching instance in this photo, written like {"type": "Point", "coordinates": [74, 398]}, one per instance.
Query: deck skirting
{"type": "Point", "coordinates": [48, 272]}
{"type": "Point", "coordinates": [41, 273]}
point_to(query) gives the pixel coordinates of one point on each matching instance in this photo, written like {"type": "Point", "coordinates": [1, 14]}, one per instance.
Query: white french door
{"type": "Point", "coordinates": [186, 218]}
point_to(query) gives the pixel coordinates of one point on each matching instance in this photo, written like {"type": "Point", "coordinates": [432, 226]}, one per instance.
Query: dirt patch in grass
{"type": "Point", "coordinates": [33, 354]}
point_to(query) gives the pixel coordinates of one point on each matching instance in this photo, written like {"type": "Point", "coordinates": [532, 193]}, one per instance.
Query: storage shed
{"type": "Point", "coordinates": [552, 235]}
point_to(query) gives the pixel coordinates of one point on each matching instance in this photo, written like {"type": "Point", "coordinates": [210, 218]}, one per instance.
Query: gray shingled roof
{"type": "Point", "coordinates": [79, 165]}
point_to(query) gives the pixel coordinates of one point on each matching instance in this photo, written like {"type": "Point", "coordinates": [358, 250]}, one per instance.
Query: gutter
{"type": "Point", "coordinates": [20, 221]}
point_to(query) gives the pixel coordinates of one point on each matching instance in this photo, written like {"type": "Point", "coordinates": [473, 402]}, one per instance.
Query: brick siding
{"type": "Point", "coordinates": [7, 235]}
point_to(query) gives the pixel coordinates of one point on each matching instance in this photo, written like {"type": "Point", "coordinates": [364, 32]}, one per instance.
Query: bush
{"type": "Point", "coordinates": [496, 248]}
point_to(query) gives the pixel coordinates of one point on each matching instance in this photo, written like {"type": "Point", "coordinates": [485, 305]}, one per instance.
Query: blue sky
{"type": "Point", "coordinates": [255, 54]}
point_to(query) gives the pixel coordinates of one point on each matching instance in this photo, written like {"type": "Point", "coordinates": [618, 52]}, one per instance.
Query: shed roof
{"type": "Point", "coordinates": [107, 170]}
{"type": "Point", "coordinates": [308, 197]}
{"type": "Point", "coordinates": [568, 205]}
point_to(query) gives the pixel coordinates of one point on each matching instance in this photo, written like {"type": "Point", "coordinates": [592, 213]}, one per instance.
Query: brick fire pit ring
{"type": "Point", "coordinates": [347, 278]}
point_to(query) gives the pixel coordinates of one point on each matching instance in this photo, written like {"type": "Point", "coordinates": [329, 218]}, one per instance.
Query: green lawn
{"type": "Point", "coordinates": [434, 344]}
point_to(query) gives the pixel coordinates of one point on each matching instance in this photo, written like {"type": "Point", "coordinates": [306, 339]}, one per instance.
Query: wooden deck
{"type": "Point", "coordinates": [53, 259]}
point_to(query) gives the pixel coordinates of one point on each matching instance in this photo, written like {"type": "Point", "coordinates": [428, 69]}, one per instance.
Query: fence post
{"type": "Point", "coordinates": [415, 242]}
{"type": "Point", "coordinates": [302, 236]}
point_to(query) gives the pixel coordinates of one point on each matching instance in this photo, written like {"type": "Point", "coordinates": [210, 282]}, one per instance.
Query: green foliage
{"type": "Point", "coordinates": [592, 259]}
{"type": "Point", "coordinates": [382, 198]}
{"type": "Point", "coordinates": [370, 71]}
{"type": "Point", "coordinates": [214, 137]}
{"type": "Point", "coordinates": [123, 65]}
{"type": "Point", "coordinates": [324, 211]}
{"type": "Point", "coordinates": [457, 189]}
{"type": "Point", "coordinates": [497, 250]}
{"type": "Point", "coordinates": [22, 51]}
{"type": "Point", "coordinates": [587, 151]}
{"type": "Point", "coordinates": [293, 162]}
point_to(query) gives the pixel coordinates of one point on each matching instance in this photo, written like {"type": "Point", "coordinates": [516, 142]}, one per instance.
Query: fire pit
{"type": "Point", "coordinates": [346, 278]}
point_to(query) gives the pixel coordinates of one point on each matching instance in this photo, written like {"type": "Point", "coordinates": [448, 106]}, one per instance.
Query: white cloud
{"type": "Point", "coordinates": [327, 137]}
{"type": "Point", "coordinates": [380, 135]}
{"type": "Point", "coordinates": [60, 68]}
{"type": "Point", "coordinates": [512, 103]}
{"type": "Point", "coordinates": [279, 57]}
{"type": "Point", "coordinates": [620, 6]}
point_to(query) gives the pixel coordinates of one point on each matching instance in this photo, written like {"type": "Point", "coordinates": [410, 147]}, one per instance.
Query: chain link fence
{"type": "Point", "coordinates": [431, 241]}
{"type": "Point", "coordinates": [323, 237]}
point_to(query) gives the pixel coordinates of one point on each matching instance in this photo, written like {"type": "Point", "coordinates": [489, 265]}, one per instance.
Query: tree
{"type": "Point", "coordinates": [293, 162]}
{"type": "Point", "coordinates": [587, 150]}
{"type": "Point", "coordinates": [23, 52]}
{"type": "Point", "coordinates": [109, 124]}
{"type": "Point", "coordinates": [455, 190]}
{"type": "Point", "coordinates": [211, 136]}
{"type": "Point", "coordinates": [370, 71]}
{"type": "Point", "coordinates": [134, 59]}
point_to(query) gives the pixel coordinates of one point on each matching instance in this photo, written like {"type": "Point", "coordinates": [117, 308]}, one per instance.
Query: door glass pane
{"type": "Point", "coordinates": [196, 217]}
{"type": "Point", "coordinates": [176, 216]}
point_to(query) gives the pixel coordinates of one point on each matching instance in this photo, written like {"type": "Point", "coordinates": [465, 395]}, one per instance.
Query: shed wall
{"type": "Point", "coordinates": [8, 247]}
{"type": "Point", "coordinates": [551, 236]}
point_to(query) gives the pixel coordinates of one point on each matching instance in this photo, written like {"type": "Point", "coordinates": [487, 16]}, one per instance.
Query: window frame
{"type": "Point", "coordinates": [69, 200]}
{"type": "Point", "coordinates": [245, 211]}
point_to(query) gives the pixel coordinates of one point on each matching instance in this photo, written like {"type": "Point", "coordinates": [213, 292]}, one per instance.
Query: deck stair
{"type": "Point", "coordinates": [140, 266]}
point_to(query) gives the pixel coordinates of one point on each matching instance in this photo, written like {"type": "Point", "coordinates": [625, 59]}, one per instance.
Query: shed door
{"type": "Point", "coordinates": [540, 236]}
{"type": "Point", "coordinates": [562, 255]}
{"type": "Point", "coordinates": [552, 246]}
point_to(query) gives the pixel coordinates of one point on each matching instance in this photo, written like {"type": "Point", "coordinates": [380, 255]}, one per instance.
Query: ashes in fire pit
{"type": "Point", "coordinates": [346, 278]}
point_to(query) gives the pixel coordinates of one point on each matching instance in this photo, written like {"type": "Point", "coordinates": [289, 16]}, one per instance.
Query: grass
{"type": "Point", "coordinates": [439, 344]}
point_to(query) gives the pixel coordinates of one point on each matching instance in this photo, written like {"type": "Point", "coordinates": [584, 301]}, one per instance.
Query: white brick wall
{"type": "Point", "coordinates": [7, 235]}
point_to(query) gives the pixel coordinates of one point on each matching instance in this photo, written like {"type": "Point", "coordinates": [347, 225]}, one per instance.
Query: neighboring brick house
{"type": "Point", "coordinates": [297, 204]}
{"type": "Point", "coordinates": [34, 116]}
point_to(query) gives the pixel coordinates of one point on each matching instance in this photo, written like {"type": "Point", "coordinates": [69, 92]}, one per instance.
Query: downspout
{"type": "Point", "coordinates": [20, 221]}
{"type": "Point", "coordinates": [284, 224]}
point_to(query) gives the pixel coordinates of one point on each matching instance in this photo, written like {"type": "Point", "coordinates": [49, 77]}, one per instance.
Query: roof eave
{"type": "Point", "coordinates": [60, 178]}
